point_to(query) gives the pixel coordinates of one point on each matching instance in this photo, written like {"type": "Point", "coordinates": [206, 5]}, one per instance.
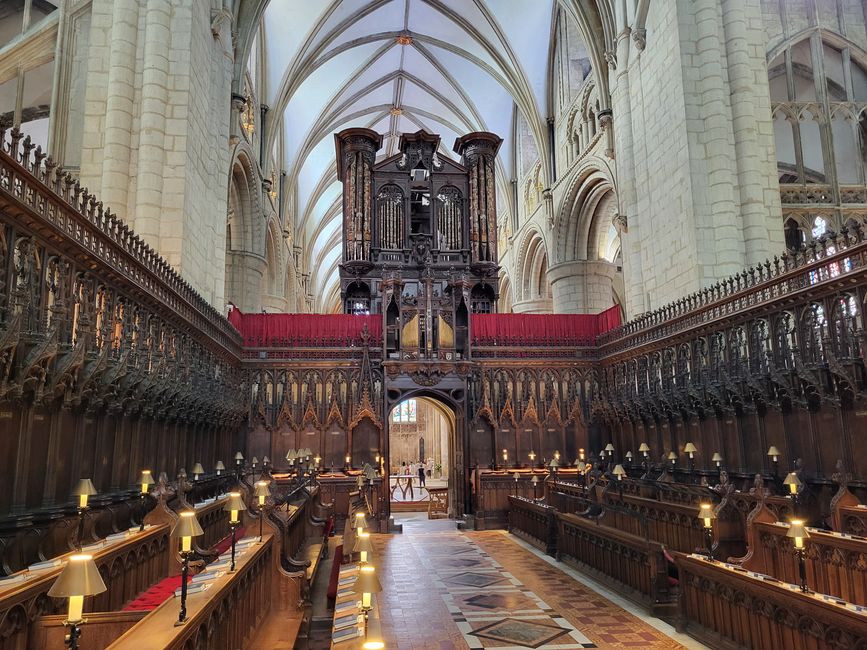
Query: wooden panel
{"type": "Point", "coordinates": [100, 630]}
{"type": "Point", "coordinates": [728, 608]}
{"type": "Point", "coordinates": [636, 565]}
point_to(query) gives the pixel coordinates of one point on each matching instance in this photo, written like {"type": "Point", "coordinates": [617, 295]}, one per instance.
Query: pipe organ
{"type": "Point", "coordinates": [420, 238]}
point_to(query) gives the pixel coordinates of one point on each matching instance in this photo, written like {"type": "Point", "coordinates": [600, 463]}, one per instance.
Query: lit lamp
{"type": "Point", "coordinates": [506, 457]}
{"type": "Point", "coordinates": [799, 533]}
{"type": "Point", "coordinates": [774, 455]}
{"type": "Point", "coordinates": [220, 467]}
{"type": "Point", "coordinates": [254, 462]}
{"type": "Point", "coordinates": [364, 547]}
{"type": "Point", "coordinates": [262, 492]}
{"type": "Point", "coordinates": [265, 462]}
{"type": "Point", "coordinates": [239, 463]}
{"type": "Point", "coordinates": [532, 456]}
{"type": "Point", "coordinates": [317, 459]}
{"type": "Point", "coordinates": [516, 476]}
{"type": "Point", "coordinates": [794, 484]}
{"type": "Point", "coordinates": [672, 456]}
{"type": "Point", "coordinates": [146, 480]}
{"type": "Point", "coordinates": [557, 455]}
{"type": "Point", "coordinates": [628, 457]}
{"type": "Point", "coordinates": [348, 460]}
{"type": "Point", "coordinates": [581, 454]}
{"type": "Point", "coordinates": [84, 490]}
{"type": "Point", "coordinates": [79, 578]}
{"type": "Point", "coordinates": [690, 449]}
{"type": "Point", "coordinates": [366, 584]}
{"type": "Point", "coordinates": [554, 465]}
{"type": "Point", "coordinates": [717, 459]}
{"type": "Point", "coordinates": [186, 528]}
{"type": "Point", "coordinates": [290, 456]}
{"type": "Point", "coordinates": [705, 513]}
{"type": "Point", "coordinates": [360, 522]}
{"type": "Point", "coordinates": [234, 506]}
{"type": "Point", "coordinates": [535, 482]}
{"type": "Point", "coordinates": [609, 448]}
{"type": "Point", "coordinates": [645, 450]}
{"type": "Point", "coordinates": [619, 472]}
{"type": "Point", "coordinates": [198, 470]}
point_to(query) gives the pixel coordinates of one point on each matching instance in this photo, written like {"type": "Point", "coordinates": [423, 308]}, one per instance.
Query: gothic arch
{"type": "Point", "coordinates": [534, 270]}
{"type": "Point", "coordinates": [247, 228]}
{"type": "Point", "coordinates": [592, 181]}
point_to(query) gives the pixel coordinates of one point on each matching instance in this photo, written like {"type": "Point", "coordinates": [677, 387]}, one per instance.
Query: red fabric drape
{"type": "Point", "coordinates": [542, 329]}
{"type": "Point", "coordinates": [305, 330]}
{"type": "Point", "coordinates": [321, 330]}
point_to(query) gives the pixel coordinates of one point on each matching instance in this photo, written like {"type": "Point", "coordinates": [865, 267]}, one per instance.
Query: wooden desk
{"type": "Point", "coordinates": [347, 606]}
{"type": "Point", "coordinates": [726, 606]}
{"type": "Point", "coordinates": [227, 615]}
{"type": "Point", "coordinates": [134, 563]}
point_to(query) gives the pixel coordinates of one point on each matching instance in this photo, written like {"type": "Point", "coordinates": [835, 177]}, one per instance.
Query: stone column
{"type": "Point", "coordinates": [152, 136]}
{"type": "Point", "coordinates": [533, 306]}
{"type": "Point", "coordinates": [753, 130]}
{"type": "Point", "coordinates": [119, 107]}
{"type": "Point", "coordinates": [582, 287]}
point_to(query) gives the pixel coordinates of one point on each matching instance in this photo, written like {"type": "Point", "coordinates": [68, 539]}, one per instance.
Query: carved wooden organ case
{"type": "Point", "coordinates": [419, 238]}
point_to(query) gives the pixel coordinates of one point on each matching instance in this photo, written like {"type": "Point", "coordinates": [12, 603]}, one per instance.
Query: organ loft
{"type": "Point", "coordinates": [419, 239]}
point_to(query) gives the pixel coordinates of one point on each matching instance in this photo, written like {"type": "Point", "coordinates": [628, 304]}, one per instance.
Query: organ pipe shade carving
{"type": "Point", "coordinates": [449, 214]}
{"type": "Point", "coordinates": [389, 211]}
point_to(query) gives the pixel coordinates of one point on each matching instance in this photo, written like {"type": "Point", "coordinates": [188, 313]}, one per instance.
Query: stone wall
{"type": "Point", "coordinates": [155, 133]}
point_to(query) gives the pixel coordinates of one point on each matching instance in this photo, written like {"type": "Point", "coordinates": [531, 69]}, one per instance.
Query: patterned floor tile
{"type": "Point", "coordinates": [444, 589]}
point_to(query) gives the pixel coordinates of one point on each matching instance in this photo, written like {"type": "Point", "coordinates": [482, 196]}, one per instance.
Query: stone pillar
{"type": "Point", "coordinates": [533, 306]}
{"type": "Point", "coordinates": [119, 107]}
{"type": "Point", "coordinates": [752, 127]}
{"type": "Point", "coordinates": [582, 287]}
{"type": "Point", "coordinates": [152, 133]}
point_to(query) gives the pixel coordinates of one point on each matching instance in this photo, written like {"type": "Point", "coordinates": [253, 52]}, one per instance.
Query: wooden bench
{"type": "Point", "coordinates": [835, 562]}
{"type": "Point", "coordinates": [534, 522]}
{"type": "Point", "coordinates": [635, 566]}
{"type": "Point", "coordinates": [129, 565]}
{"type": "Point", "coordinates": [729, 608]}
{"type": "Point", "coordinates": [226, 615]}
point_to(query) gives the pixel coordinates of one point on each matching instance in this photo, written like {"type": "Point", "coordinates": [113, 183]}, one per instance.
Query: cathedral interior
{"type": "Point", "coordinates": [433, 324]}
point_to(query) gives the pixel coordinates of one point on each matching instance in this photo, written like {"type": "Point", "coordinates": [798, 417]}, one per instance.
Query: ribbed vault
{"type": "Point", "coordinates": [447, 66]}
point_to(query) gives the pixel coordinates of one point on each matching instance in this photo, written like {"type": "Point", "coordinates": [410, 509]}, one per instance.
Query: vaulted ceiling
{"type": "Point", "coordinates": [447, 66]}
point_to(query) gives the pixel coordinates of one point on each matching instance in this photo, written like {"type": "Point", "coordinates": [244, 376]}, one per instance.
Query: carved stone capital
{"type": "Point", "coordinates": [639, 37]}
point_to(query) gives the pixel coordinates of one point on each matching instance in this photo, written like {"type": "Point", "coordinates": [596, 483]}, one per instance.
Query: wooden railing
{"type": "Point", "coordinates": [28, 176]}
{"type": "Point", "coordinates": [730, 608]}
{"type": "Point", "coordinates": [635, 563]}
{"type": "Point", "coordinates": [534, 522]}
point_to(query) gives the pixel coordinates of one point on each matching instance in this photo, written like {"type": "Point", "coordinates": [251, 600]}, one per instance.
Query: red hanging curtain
{"type": "Point", "coordinates": [542, 329]}
{"type": "Point", "coordinates": [304, 330]}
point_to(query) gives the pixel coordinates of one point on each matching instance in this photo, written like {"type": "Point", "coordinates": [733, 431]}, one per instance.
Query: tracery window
{"type": "Point", "coordinates": [819, 101]}
{"type": "Point", "coordinates": [405, 412]}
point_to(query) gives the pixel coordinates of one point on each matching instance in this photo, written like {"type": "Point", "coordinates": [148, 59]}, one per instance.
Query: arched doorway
{"type": "Point", "coordinates": [421, 435]}
{"type": "Point", "coordinates": [421, 431]}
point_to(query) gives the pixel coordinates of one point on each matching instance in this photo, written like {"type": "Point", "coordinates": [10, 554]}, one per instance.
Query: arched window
{"type": "Point", "coordinates": [818, 93]}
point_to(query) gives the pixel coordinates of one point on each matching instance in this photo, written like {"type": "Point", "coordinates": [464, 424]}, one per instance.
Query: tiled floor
{"type": "Point", "coordinates": [444, 589]}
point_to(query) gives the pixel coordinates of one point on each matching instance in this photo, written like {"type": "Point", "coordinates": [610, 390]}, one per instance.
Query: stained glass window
{"type": "Point", "coordinates": [405, 412]}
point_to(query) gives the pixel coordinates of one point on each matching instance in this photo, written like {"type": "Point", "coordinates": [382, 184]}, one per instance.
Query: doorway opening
{"type": "Point", "coordinates": [421, 456]}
